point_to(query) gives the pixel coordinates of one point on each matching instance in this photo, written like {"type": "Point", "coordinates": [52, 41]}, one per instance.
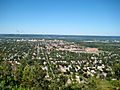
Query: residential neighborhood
{"type": "Point", "coordinates": [73, 61]}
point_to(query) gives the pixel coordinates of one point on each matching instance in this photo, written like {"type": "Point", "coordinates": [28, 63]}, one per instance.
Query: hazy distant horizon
{"type": "Point", "coordinates": [58, 34]}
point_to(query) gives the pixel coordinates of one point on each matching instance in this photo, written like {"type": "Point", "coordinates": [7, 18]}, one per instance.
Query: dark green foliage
{"type": "Point", "coordinates": [116, 69]}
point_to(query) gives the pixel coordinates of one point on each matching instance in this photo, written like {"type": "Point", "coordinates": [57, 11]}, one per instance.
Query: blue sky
{"type": "Point", "coordinates": [66, 17]}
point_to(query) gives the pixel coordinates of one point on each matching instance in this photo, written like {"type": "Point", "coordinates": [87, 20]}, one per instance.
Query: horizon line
{"type": "Point", "coordinates": [55, 34]}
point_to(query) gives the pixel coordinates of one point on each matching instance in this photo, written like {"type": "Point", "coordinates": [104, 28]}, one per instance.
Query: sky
{"type": "Point", "coordinates": [63, 17]}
